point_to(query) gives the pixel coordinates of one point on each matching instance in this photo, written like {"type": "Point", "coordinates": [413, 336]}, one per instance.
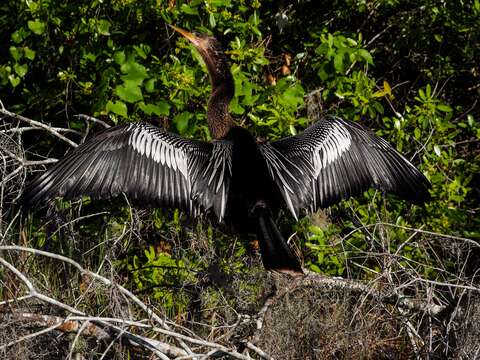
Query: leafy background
{"type": "Point", "coordinates": [408, 69]}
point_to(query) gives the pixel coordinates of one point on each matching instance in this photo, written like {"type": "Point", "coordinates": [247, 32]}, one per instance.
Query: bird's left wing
{"type": "Point", "coordinates": [151, 166]}
{"type": "Point", "coordinates": [334, 159]}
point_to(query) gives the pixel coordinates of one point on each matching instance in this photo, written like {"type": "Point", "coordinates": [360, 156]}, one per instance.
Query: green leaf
{"type": "Point", "coordinates": [117, 107]}
{"type": "Point", "coordinates": [292, 130]}
{"type": "Point", "coordinates": [470, 120]}
{"type": "Point", "coordinates": [129, 91]}
{"type": "Point", "coordinates": [90, 57]}
{"type": "Point", "coordinates": [21, 70]}
{"type": "Point", "coordinates": [365, 55]}
{"type": "Point", "coordinates": [133, 71]}
{"type": "Point", "coordinates": [322, 72]}
{"type": "Point", "coordinates": [188, 10]}
{"type": "Point", "coordinates": [211, 20]}
{"type": "Point", "coordinates": [444, 108]}
{"type": "Point", "coordinates": [235, 107]}
{"type": "Point", "coordinates": [397, 124]}
{"type": "Point", "coordinates": [163, 108]}
{"type": "Point", "coordinates": [13, 80]}
{"type": "Point", "coordinates": [119, 57]}
{"type": "Point", "coordinates": [181, 121]}
{"type": "Point", "coordinates": [379, 93]}
{"type": "Point", "coordinates": [19, 35]}
{"type": "Point", "coordinates": [351, 42]}
{"type": "Point", "coordinates": [150, 85]}
{"type": "Point", "coordinates": [293, 96]}
{"type": "Point", "coordinates": [36, 26]}
{"type": "Point", "coordinates": [338, 62]}
{"type": "Point", "coordinates": [417, 133]}
{"type": "Point", "coordinates": [15, 53]}
{"type": "Point", "coordinates": [330, 40]}
{"type": "Point", "coordinates": [159, 109]}
{"type": "Point", "coordinates": [428, 91]}
{"type": "Point", "coordinates": [103, 27]}
{"type": "Point", "coordinates": [386, 88]}
{"type": "Point", "coordinates": [142, 50]}
{"type": "Point", "coordinates": [29, 53]}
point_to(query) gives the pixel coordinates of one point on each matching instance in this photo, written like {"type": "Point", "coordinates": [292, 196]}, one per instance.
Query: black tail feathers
{"type": "Point", "coordinates": [276, 254]}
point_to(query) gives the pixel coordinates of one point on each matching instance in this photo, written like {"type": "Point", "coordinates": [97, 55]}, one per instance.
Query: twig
{"type": "Point", "coordinates": [259, 351]}
{"type": "Point", "coordinates": [390, 298]}
{"type": "Point", "coordinates": [92, 119]}
{"type": "Point", "coordinates": [452, 237]}
{"type": "Point", "coordinates": [84, 325]}
{"type": "Point", "coordinates": [37, 124]}
{"type": "Point", "coordinates": [30, 336]}
{"type": "Point", "coordinates": [21, 130]}
{"type": "Point", "coordinates": [67, 325]}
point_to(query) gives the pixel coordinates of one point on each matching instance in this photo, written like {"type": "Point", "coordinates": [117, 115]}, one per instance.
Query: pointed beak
{"type": "Point", "coordinates": [195, 40]}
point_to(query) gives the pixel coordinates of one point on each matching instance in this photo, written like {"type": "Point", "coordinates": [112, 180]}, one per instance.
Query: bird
{"type": "Point", "coordinates": [235, 177]}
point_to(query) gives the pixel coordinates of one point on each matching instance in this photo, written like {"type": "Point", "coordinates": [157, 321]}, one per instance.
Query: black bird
{"type": "Point", "coordinates": [234, 177]}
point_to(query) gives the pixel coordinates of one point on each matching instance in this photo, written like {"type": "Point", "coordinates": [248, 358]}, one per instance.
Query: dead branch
{"type": "Point", "coordinates": [426, 232]}
{"type": "Point", "coordinates": [86, 326]}
{"type": "Point", "coordinates": [92, 119]}
{"type": "Point", "coordinates": [359, 287]}
{"type": "Point", "coordinates": [161, 349]}
{"type": "Point", "coordinates": [66, 325]}
{"type": "Point", "coordinates": [36, 124]}
{"type": "Point", "coordinates": [21, 130]}
{"type": "Point", "coordinates": [155, 346]}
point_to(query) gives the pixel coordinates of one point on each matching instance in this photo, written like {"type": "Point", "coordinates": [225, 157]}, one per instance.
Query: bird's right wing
{"type": "Point", "coordinates": [334, 159]}
{"type": "Point", "coordinates": [149, 165]}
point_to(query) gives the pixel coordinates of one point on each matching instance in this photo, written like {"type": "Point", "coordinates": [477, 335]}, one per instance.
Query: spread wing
{"type": "Point", "coordinates": [334, 159]}
{"type": "Point", "coordinates": [151, 166]}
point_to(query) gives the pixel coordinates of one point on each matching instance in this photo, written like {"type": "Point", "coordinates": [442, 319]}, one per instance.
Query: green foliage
{"type": "Point", "coordinates": [327, 260]}
{"type": "Point", "coordinates": [159, 275]}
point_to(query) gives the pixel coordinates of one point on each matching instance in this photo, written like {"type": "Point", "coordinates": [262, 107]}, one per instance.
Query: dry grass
{"type": "Point", "coordinates": [314, 322]}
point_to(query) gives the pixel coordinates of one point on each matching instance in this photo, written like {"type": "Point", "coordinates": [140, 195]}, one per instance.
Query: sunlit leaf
{"type": "Point", "coordinates": [129, 91]}
{"type": "Point", "coordinates": [36, 26]}
{"type": "Point", "coordinates": [117, 107]}
{"type": "Point", "coordinates": [21, 70]}
{"type": "Point", "coordinates": [444, 108]}
{"type": "Point", "coordinates": [181, 121]}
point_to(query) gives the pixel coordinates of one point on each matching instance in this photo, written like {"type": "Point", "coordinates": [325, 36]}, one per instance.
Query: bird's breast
{"type": "Point", "coordinates": [251, 181]}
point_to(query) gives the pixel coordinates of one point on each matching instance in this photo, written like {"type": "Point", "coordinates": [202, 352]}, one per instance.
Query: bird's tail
{"type": "Point", "coordinates": [276, 254]}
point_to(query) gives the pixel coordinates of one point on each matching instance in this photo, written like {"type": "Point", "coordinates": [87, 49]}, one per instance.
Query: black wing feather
{"type": "Point", "coordinates": [334, 159]}
{"type": "Point", "coordinates": [151, 166]}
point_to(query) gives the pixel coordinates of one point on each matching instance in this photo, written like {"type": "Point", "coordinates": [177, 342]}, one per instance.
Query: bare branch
{"type": "Point", "coordinates": [37, 124]}
{"type": "Point", "coordinates": [21, 130]}
{"type": "Point", "coordinates": [92, 119]}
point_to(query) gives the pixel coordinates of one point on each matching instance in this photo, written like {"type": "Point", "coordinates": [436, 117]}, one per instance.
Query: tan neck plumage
{"type": "Point", "coordinates": [219, 119]}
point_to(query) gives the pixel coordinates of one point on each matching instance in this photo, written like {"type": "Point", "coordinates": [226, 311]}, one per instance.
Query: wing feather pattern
{"type": "Point", "coordinates": [334, 159]}
{"type": "Point", "coordinates": [151, 166]}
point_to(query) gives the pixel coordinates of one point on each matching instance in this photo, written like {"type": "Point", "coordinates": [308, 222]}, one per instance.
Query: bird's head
{"type": "Point", "coordinates": [212, 53]}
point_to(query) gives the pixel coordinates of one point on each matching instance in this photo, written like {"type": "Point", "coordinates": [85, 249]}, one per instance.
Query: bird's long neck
{"type": "Point", "coordinates": [219, 119]}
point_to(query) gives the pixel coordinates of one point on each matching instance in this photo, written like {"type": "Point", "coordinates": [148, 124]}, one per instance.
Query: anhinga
{"type": "Point", "coordinates": [241, 180]}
